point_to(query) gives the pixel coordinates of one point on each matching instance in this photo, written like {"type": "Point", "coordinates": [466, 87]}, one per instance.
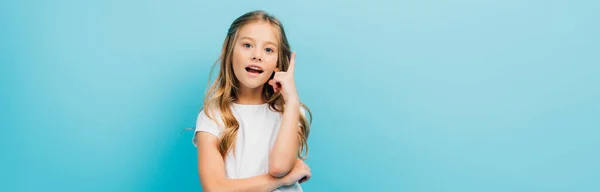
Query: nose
{"type": "Point", "coordinates": [256, 59]}
{"type": "Point", "coordinates": [256, 56]}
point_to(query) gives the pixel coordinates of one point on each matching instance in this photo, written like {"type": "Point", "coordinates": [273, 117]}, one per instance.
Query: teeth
{"type": "Point", "coordinates": [255, 68]}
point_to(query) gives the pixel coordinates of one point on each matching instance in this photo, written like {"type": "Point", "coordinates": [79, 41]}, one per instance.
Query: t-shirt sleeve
{"type": "Point", "coordinates": [303, 112]}
{"type": "Point", "coordinates": [205, 124]}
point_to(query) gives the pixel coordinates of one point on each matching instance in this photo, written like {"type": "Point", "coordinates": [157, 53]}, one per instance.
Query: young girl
{"type": "Point", "coordinates": [251, 132]}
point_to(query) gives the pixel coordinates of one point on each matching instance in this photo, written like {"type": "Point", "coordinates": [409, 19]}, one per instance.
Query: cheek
{"type": "Point", "coordinates": [237, 58]}
{"type": "Point", "coordinates": [271, 61]}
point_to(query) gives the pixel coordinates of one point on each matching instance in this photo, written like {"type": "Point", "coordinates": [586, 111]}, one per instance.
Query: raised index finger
{"type": "Point", "coordinates": [292, 63]}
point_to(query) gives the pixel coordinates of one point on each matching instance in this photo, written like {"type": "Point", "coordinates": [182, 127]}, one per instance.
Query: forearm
{"type": "Point", "coordinates": [285, 149]}
{"type": "Point", "coordinates": [266, 183]}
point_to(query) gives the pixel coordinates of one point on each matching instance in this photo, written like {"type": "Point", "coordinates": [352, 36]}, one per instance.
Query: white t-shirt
{"type": "Point", "coordinates": [255, 138]}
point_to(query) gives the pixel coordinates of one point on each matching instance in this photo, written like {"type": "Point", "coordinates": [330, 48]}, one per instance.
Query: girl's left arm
{"type": "Point", "coordinates": [283, 155]}
{"type": "Point", "coordinates": [285, 150]}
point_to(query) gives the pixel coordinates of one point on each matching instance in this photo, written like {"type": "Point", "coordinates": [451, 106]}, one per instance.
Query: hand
{"type": "Point", "coordinates": [300, 173]}
{"type": "Point", "coordinates": [283, 81]}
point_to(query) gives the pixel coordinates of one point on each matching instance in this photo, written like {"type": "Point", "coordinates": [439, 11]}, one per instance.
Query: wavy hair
{"type": "Point", "coordinates": [225, 87]}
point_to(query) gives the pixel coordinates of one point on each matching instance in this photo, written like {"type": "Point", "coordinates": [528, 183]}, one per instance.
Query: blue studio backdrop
{"type": "Point", "coordinates": [462, 95]}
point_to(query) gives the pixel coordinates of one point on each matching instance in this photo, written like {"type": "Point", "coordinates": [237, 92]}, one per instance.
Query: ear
{"type": "Point", "coordinates": [276, 69]}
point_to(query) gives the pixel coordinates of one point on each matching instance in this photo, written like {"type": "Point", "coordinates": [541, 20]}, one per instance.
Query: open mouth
{"type": "Point", "coordinates": [254, 69]}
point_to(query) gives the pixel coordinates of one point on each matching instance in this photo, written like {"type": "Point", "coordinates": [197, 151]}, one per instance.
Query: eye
{"type": "Point", "coordinates": [247, 45]}
{"type": "Point", "coordinates": [269, 50]}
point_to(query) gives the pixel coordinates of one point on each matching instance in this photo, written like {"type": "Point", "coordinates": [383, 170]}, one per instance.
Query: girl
{"type": "Point", "coordinates": [251, 132]}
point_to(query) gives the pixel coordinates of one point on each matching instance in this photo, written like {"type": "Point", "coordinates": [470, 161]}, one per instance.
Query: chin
{"type": "Point", "coordinates": [252, 84]}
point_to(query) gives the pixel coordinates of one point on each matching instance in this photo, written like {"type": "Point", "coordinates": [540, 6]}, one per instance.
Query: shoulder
{"type": "Point", "coordinates": [303, 110]}
{"type": "Point", "coordinates": [213, 115]}
{"type": "Point", "coordinates": [209, 121]}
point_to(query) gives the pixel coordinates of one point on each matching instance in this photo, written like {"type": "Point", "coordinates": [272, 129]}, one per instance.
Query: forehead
{"type": "Point", "coordinates": [259, 31]}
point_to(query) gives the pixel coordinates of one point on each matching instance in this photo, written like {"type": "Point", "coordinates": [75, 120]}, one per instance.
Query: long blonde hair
{"type": "Point", "coordinates": [224, 89]}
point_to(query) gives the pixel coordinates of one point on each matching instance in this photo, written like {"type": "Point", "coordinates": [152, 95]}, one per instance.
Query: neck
{"type": "Point", "coordinates": [250, 96]}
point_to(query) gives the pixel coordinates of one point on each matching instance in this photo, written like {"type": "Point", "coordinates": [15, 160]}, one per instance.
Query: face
{"type": "Point", "coordinates": [255, 54]}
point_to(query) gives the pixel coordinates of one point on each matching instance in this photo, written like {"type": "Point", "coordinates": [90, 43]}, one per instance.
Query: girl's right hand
{"type": "Point", "coordinates": [300, 172]}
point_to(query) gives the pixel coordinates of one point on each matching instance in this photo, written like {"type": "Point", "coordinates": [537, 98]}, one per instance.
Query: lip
{"type": "Point", "coordinates": [254, 65]}
{"type": "Point", "coordinates": [254, 74]}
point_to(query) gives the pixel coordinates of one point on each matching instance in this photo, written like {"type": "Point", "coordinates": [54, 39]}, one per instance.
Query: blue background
{"type": "Point", "coordinates": [429, 95]}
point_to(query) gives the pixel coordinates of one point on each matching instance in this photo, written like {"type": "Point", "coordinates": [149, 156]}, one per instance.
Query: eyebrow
{"type": "Point", "coordinates": [250, 38]}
